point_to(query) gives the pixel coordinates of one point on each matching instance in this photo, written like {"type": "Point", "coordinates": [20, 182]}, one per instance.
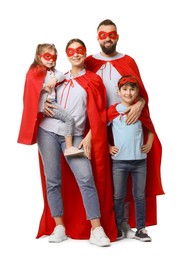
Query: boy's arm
{"type": "Point", "coordinates": [147, 147]}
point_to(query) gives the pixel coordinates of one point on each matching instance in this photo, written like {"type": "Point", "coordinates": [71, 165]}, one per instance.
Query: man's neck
{"type": "Point", "coordinates": [109, 55]}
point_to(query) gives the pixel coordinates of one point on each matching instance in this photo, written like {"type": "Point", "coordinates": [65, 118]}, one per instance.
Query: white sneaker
{"type": "Point", "coordinates": [98, 237]}
{"type": "Point", "coordinates": [73, 151]}
{"type": "Point", "coordinates": [128, 232]}
{"type": "Point", "coordinates": [58, 234]}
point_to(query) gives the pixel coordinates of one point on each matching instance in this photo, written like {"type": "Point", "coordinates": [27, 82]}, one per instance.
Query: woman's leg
{"type": "Point", "coordinates": [50, 150]}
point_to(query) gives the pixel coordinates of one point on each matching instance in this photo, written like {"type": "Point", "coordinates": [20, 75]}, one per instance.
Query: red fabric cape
{"type": "Point", "coordinates": [127, 66]}
{"type": "Point", "coordinates": [30, 116]}
{"type": "Point", "coordinates": [153, 183]}
{"type": "Point", "coordinates": [74, 214]}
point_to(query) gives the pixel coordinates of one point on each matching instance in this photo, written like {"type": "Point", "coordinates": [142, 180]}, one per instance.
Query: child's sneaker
{"type": "Point", "coordinates": [142, 235]}
{"type": "Point", "coordinates": [58, 234]}
{"type": "Point", "coordinates": [128, 232]}
{"type": "Point", "coordinates": [73, 151]}
{"type": "Point", "coordinates": [98, 237]}
{"type": "Point", "coordinates": [120, 235]}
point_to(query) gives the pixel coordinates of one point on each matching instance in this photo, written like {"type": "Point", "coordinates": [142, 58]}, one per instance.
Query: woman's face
{"type": "Point", "coordinates": [76, 54]}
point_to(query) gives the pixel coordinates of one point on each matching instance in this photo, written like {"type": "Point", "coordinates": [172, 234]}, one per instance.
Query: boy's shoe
{"type": "Point", "coordinates": [73, 151]}
{"type": "Point", "coordinates": [98, 237]}
{"type": "Point", "coordinates": [120, 235]}
{"type": "Point", "coordinates": [142, 235]}
{"type": "Point", "coordinates": [58, 234]}
{"type": "Point", "coordinates": [128, 232]}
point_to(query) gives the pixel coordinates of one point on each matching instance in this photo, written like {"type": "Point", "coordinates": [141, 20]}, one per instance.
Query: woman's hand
{"type": "Point", "coordinates": [86, 144]}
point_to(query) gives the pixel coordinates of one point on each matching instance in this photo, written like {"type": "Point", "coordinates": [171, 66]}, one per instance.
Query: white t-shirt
{"type": "Point", "coordinates": [72, 97]}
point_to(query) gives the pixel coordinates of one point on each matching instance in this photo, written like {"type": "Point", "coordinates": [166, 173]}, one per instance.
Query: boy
{"type": "Point", "coordinates": [129, 155]}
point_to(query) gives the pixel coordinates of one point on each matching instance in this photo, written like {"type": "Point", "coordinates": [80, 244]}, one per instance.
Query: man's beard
{"type": "Point", "coordinates": [109, 50]}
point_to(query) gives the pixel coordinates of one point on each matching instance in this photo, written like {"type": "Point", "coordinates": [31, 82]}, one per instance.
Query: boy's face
{"type": "Point", "coordinates": [128, 94]}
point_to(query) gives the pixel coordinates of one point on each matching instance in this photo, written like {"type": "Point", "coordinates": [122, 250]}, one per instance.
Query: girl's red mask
{"type": "Point", "coordinates": [47, 56]}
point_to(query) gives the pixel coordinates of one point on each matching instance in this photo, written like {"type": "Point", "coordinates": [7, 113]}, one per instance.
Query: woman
{"type": "Point", "coordinates": [84, 202]}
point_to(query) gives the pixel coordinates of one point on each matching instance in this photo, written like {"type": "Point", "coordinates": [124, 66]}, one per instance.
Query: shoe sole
{"type": "Point", "coordinates": [101, 245]}
{"type": "Point", "coordinates": [57, 241]}
{"type": "Point", "coordinates": [74, 154]}
{"type": "Point", "coordinates": [143, 239]}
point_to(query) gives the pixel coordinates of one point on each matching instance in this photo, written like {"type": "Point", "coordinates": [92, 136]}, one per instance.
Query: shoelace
{"type": "Point", "coordinates": [101, 232]}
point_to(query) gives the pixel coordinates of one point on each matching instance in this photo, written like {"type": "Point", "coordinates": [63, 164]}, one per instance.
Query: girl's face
{"type": "Point", "coordinates": [128, 94]}
{"type": "Point", "coordinates": [76, 54]}
{"type": "Point", "coordinates": [48, 58]}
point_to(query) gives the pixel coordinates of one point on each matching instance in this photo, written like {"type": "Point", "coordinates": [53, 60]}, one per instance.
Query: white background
{"type": "Point", "coordinates": [152, 33]}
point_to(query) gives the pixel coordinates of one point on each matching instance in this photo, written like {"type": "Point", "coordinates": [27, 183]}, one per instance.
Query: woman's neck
{"type": "Point", "coordinates": [76, 70]}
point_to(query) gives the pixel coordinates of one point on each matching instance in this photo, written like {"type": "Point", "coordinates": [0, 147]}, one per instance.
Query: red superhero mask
{"type": "Point", "coordinates": [124, 80]}
{"type": "Point", "coordinates": [79, 50]}
{"type": "Point", "coordinates": [112, 35]}
{"type": "Point", "coordinates": [47, 56]}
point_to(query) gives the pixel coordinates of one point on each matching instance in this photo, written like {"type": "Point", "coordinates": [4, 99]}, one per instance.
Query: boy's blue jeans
{"type": "Point", "coordinates": [51, 146]}
{"type": "Point", "coordinates": [121, 170]}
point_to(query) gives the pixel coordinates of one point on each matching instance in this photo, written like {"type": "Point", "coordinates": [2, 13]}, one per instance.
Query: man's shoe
{"type": "Point", "coordinates": [58, 234]}
{"type": "Point", "coordinates": [73, 151]}
{"type": "Point", "coordinates": [128, 232]}
{"type": "Point", "coordinates": [98, 237]}
{"type": "Point", "coordinates": [142, 235]}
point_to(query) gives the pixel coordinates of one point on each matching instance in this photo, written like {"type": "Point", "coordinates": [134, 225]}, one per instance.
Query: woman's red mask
{"type": "Point", "coordinates": [79, 50]}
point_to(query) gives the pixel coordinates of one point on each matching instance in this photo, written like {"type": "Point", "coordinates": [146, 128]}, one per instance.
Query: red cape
{"type": "Point", "coordinates": [153, 182]}
{"type": "Point", "coordinates": [127, 66]}
{"type": "Point", "coordinates": [74, 213]}
{"type": "Point", "coordinates": [30, 116]}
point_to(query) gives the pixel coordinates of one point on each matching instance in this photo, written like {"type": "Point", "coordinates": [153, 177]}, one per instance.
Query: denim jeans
{"type": "Point", "coordinates": [50, 147]}
{"type": "Point", "coordinates": [121, 170]}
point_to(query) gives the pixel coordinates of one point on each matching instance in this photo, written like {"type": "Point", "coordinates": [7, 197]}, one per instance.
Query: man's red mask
{"type": "Point", "coordinates": [112, 35]}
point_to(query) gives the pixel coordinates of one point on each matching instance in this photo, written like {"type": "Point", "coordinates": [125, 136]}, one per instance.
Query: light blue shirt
{"type": "Point", "coordinates": [128, 138]}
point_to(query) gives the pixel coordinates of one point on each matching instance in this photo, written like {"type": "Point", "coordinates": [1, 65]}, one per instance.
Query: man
{"type": "Point", "coordinates": [111, 65]}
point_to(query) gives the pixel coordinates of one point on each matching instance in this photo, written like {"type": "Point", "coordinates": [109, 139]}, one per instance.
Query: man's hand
{"type": "Point", "coordinates": [47, 110]}
{"type": "Point", "coordinates": [133, 112]}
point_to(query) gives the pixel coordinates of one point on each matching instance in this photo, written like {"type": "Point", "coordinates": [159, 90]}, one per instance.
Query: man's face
{"type": "Point", "coordinates": [107, 38]}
